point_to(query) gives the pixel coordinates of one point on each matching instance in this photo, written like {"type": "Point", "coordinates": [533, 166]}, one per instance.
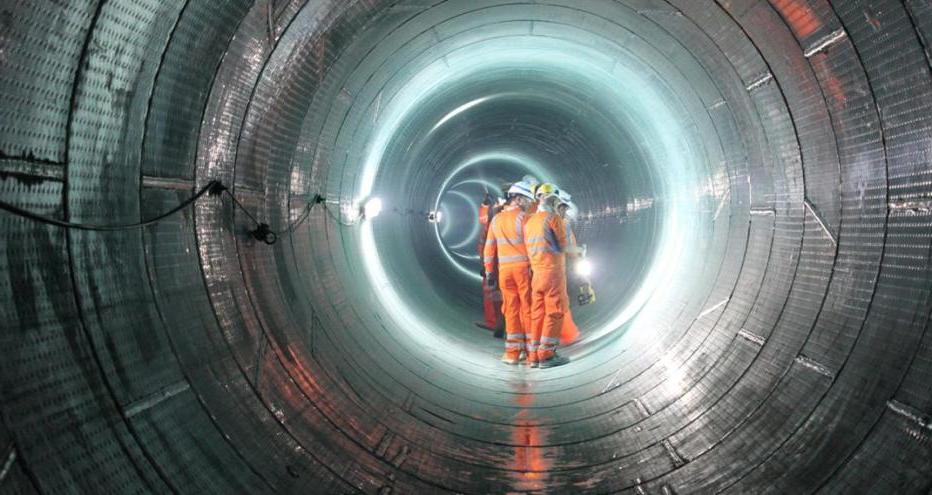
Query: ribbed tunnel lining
{"type": "Point", "coordinates": [788, 157]}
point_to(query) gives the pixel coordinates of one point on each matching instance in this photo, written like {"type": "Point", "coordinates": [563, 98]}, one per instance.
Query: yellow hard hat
{"type": "Point", "coordinates": [546, 189]}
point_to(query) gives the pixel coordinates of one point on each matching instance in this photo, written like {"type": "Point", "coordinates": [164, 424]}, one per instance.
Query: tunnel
{"type": "Point", "coordinates": [195, 299]}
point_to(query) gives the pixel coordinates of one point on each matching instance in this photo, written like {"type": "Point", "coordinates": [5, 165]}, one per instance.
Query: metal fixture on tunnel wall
{"type": "Point", "coordinates": [262, 232]}
{"type": "Point", "coordinates": [753, 178]}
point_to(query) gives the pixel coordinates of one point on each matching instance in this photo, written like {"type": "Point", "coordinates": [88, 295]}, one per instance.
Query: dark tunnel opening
{"type": "Point", "coordinates": [496, 132]}
{"type": "Point", "coordinates": [752, 180]}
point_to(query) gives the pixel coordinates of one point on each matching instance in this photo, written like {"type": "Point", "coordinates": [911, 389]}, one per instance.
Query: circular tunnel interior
{"type": "Point", "coordinates": [752, 180]}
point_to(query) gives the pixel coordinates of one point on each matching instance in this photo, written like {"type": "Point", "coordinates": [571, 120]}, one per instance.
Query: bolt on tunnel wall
{"type": "Point", "coordinates": [752, 179]}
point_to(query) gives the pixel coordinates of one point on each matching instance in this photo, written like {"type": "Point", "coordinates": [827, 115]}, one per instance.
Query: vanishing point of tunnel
{"type": "Point", "coordinates": [752, 178]}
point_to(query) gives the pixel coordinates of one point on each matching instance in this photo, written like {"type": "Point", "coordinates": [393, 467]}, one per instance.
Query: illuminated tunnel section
{"type": "Point", "coordinates": [753, 181]}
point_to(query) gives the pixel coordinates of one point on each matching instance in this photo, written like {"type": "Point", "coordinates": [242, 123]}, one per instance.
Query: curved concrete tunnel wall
{"type": "Point", "coordinates": [776, 338]}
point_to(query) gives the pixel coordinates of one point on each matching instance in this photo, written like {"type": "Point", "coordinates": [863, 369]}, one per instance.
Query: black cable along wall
{"type": "Point", "coordinates": [793, 356]}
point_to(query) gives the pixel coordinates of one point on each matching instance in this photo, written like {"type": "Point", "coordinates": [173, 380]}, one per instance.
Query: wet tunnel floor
{"type": "Point", "coordinates": [772, 155]}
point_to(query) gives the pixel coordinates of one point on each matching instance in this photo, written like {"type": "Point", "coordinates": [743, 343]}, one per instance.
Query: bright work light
{"type": "Point", "coordinates": [372, 208]}
{"type": "Point", "coordinates": [584, 268]}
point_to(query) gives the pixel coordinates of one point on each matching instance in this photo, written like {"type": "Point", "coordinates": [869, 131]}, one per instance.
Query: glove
{"type": "Point", "coordinates": [491, 280]}
{"type": "Point", "coordinates": [482, 272]}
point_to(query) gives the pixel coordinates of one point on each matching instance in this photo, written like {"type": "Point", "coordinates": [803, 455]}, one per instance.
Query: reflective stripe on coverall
{"type": "Point", "coordinates": [505, 251]}
{"type": "Point", "coordinates": [491, 297]}
{"type": "Point", "coordinates": [545, 238]}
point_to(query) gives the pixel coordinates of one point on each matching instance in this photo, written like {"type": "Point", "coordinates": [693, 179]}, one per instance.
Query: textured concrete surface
{"type": "Point", "coordinates": [754, 180]}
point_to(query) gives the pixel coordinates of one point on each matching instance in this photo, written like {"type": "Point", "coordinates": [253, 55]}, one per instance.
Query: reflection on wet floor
{"type": "Point", "coordinates": [530, 467]}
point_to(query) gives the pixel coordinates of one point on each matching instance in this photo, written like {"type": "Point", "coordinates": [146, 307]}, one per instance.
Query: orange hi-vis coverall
{"type": "Point", "coordinates": [569, 332]}
{"type": "Point", "coordinates": [505, 251]}
{"type": "Point", "coordinates": [491, 297]}
{"type": "Point", "coordinates": [486, 212]}
{"type": "Point", "coordinates": [545, 238]}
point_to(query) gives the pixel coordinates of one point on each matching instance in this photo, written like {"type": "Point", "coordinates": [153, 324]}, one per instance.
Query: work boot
{"type": "Point", "coordinates": [554, 361]}
{"type": "Point", "coordinates": [532, 359]}
{"type": "Point", "coordinates": [510, 359]}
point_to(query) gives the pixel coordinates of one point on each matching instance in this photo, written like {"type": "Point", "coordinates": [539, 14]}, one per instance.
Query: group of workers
{"type": "Point", "coordinates": [524, 250]}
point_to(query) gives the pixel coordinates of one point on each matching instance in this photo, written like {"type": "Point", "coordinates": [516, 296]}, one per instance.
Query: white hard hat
{"type": "Point", "coordinates": [522, 189]}
{"type": "Point", "coordinates": [572, 212]}
{"type": "Point", "coordinates": [565, 198]}
{"type": "Point", "coordinates": [530, 180]}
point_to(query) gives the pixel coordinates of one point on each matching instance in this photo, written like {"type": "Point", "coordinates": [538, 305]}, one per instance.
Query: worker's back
{"type": "Point", "coordinates": [505, 241]}
{"type": "Point", "coordinates": [545, 238]}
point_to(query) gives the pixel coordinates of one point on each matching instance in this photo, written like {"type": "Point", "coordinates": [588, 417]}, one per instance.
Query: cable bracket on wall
{"type": "Point", "coordinates": [752, 337]}
{"type": "Point", "coordinates": [760, 81]}
{"type": "Point", "coordinates": [714, 307]}
{"type": "Point", "coordinates": [676, 457]}
{"type": "Point", "coordinates": [820, 221]}
{"type": "Point", "coordinates": [158, 397]}
{"type": "Point", "coordinates": [641, 407]}
{"type": "Point", "coordinates": [8, 463]}
{"type": "Point", "coordinates": [763, 211]}
{"type": "Point", "coordinates": [721, 204]}
{"type": "Point", "coordinates": [610, 382]}
{"type": "Point", "coordinates": [262, 232]}
{"type": "Point", "coordinates": [210, 187]}
{"type": "Point", "coordinates": [910, 413]}
{"type": "Point", "coordinates": [919, 206]}
{"type": "Point", "coordinates": [825, 42]}
{"type": "Point", "coordinates": [814, 365]}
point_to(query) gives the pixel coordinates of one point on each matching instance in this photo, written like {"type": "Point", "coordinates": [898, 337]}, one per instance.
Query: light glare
{"type": "Point", "coordinates": [372, 208]}
{"type": "Point", "coordinates": [584, 268]}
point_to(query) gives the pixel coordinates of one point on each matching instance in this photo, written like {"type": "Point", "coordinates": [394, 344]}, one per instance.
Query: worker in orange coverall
{"type": "Point", "coordinates": [545, 238]}
{"type": "Point", "coordinates": [569, 332]}
{"type": "Point", "coordinates": [533, 182]}
{"type": "Point", "coordinates": [491, 296]}
{"type": "Point", "coordinates": [506, 263]}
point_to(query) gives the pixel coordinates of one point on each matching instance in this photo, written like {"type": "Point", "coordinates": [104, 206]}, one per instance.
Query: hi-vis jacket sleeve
{"type": "Point", "coordinates": [571, 248]}
{"type": "Point", "coordinates": [556, 227]}
{"type": "Point", "coordinates": [490, 252]}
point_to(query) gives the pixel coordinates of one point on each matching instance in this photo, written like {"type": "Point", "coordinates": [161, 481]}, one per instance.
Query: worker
{"type": "Point", "coordinates": [545, 238]}
{"type": "Point", "coordinates": [569, 332]}
{"type": "Point", "coordinates": [506, 264]}
{"type": "Point", "coordinates": [491, 296]}
{"type": "Point", "coordinates": [533, 182]}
